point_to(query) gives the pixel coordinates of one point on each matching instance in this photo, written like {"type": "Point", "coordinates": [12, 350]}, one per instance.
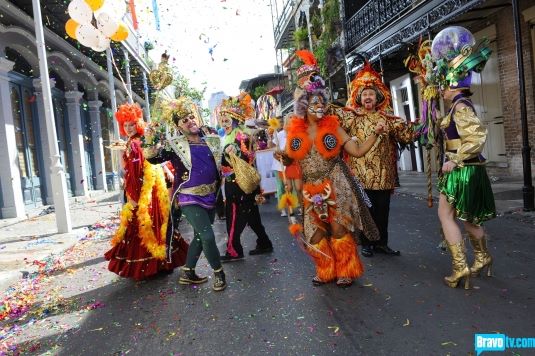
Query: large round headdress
{"type": "Point", "coordinates": [453, 49]}
{"type": "Point", "coordinates": [368, 78]}
{"type": "Point", "coordinates": [239, 108]}
{"type": "Point", "coordinates": [308, 74]}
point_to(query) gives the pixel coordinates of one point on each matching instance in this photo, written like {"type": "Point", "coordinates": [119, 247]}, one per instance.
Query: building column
{"type": "Point", "coordinates": [128, 77]}
{"type": "Point", "coordinates": [72, 101]}
{"type": "Point", "coordinates": [13, 202]}
{"type": "Point", "coordinates": [45, 148]}
{"type": "Point", "coordinates": [98, 147]}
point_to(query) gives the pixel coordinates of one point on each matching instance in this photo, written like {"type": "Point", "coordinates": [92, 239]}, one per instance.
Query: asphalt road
{"type": "Point", "coordinates": [270, 307]}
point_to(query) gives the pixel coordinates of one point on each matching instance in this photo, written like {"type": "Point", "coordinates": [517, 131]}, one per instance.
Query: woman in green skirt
{"type": "Point", "coordinates": [465, 190]}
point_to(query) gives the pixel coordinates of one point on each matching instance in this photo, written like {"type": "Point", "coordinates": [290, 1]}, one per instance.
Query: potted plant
{"type": "Point", "coordinates": [301, 37]}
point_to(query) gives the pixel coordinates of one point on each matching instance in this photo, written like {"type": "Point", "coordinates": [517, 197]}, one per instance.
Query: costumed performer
{"type": "Point", "coordinates": [334, 202]}
{"type": "Point", "coordinates": [141, 246]}
{"type": "Point", "coordinates": [465, 190]}
{"type": "Point", "coordinates": [194, 156]}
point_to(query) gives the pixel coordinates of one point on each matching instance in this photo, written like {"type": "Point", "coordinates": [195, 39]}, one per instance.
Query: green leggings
{"type": "Point", "coordinates": [201, 220]}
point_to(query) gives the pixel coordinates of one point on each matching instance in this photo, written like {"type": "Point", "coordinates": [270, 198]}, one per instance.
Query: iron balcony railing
{"type": "Point", "coordinates": [374, 16]}
{"type": "Point", "coordinates": [283, 20]}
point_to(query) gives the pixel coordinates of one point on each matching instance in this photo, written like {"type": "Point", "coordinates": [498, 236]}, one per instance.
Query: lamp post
{"type": "Point", "coordinates": [57, 175]}
{"type": "Point", "coordinates": [527, 189]}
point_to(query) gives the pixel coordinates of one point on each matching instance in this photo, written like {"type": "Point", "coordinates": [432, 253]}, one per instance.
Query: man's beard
{"type": "Point", "coordinates": [369, 105]}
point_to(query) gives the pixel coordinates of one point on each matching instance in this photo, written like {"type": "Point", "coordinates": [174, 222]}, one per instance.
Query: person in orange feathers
{"type": "Point", "coordinates": [334, 202]}
{"type": "Point", "coordinates": [140, 246]}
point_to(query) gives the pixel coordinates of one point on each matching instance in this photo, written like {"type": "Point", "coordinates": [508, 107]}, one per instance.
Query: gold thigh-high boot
{"type": "Point", "coordinates": [482, 257]}
{"type": "Point", "coordinates": [460, 267]}
{"type": "Point", "coordinates": [323, 258]}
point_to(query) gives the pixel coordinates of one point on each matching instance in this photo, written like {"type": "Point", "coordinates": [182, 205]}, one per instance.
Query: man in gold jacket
{"type": "Point", "coordinates": [377, 169]}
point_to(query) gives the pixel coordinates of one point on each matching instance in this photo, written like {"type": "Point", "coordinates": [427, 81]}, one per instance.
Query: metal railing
{"type": "Point", "coordinates": [374, 16]}
{"type": "Point", "coordinates": [283, 19]}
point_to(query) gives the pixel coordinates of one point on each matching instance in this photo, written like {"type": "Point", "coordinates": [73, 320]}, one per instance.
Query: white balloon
{"type": "Point", "coordinates": [114, 8]}
{"type": "Point", "coordinates": [88, 35]}
{"type": "Point", "coordinates": [106, 24]}
{"type": "Point", "coordinates": [103, 44]}
{"type": "Point", "coordinates": [80, 11]}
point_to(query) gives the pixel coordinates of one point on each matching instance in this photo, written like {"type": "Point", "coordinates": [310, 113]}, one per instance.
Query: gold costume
{"type": "Point", "coordinates": [472, 136]}
{"type": "Point", "coordinates": [376, 170]}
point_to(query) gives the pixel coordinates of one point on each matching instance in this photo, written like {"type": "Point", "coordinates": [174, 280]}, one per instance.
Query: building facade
{"type": "Point", "coordinates": [383, 30]}
{"type": "Point", "coordinates": [82, 105]}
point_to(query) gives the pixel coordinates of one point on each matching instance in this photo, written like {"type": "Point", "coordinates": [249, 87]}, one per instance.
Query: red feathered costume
{"type": "Point", "coordinates": [140, 249]}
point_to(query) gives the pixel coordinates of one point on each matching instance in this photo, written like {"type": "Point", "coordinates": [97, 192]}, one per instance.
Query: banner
{"type": "Point", "coordinates": [268, 181]}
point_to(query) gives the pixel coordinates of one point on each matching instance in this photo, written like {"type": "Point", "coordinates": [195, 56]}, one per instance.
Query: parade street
{"type": "Point", "coordinates": [270, 307]}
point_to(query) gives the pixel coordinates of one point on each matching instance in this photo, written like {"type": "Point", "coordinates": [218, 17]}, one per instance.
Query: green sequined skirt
{"type": "Point", "coordinates": [468, 190]}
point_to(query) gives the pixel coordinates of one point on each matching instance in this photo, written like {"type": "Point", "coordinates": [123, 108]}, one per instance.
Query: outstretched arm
{"type": "Point", "coordinates": [353, 149]}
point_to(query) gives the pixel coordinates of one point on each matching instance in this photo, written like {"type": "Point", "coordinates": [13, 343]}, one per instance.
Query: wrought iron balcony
{"type": "Point", "coordinates": [372, 18]}
{"type": "Point", "coordinates": [382, 26]}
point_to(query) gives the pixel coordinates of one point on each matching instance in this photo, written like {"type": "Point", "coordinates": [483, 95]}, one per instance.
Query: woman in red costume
{"type": "Point", "coordinates": [335, 203]}
{"type": "Point", "coordinates": [140, 247]}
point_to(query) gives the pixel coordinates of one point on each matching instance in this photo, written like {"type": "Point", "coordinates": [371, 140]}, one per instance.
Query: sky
{"type": "Point", "coordinates": [214, 43]}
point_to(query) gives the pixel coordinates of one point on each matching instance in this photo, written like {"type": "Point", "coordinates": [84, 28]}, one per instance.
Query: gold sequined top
{"type": "Point", "coordinates": [376, 170]}
{"type": "Point", "coordinates": [472, 135]}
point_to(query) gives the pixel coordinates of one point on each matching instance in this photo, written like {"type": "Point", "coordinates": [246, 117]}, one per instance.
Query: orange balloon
{"type": "Point", "coordinates": [121, 34]}
{"type": "Point", "coordinates": [95, 4]}
{"type": "Point", "coordinates": [70, 28]}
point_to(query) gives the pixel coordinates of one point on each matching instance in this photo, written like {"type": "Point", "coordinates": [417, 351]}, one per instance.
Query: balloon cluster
{"type": "Point", "coordinates": [94, 23]}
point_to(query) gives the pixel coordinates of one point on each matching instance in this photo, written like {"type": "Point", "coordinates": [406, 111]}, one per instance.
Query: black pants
{"type": "Point", "coordinates": [379, 211]}
{"type": "Point", "coordinates": [241, 210]}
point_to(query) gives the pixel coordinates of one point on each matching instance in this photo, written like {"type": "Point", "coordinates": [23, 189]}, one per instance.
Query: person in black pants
{"type": "Point", "coordinates": [241, 209]}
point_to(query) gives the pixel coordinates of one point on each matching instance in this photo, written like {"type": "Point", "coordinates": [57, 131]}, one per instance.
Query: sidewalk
{"type": "Point", "coordinates": [507, 192]}
{"type": "Point", "coordinates": [35, 238]}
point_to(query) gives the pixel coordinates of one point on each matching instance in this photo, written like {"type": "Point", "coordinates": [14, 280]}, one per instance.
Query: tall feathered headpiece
{"type": "Point", "coordinates": [308, 77]}
{"type": "Point", "coordinates": [368, 78]}
{"type": "Point", "coordinates": [239, 108]}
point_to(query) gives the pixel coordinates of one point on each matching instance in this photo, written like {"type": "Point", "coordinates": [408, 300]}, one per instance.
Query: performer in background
{"type": "Point", "coordinates": [465, 190]}
{"type": "Point", "coordinates": [241, 208]}
{"type": "Point", "coordinates": [335, 206]}
{"type": "Point", "coordinates": [194, 155]}
{"type": "Point", "coordinates": [140, 246]}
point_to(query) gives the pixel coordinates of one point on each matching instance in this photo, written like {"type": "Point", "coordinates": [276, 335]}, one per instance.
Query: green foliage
{"type": "Point", "coordinates": [258, 92]}
{"type": "Point", "coordinates": [331, 30]}
{"type": "Point", "coordinates": [300, 36]}
{"type": "Point", "coordinates": [183, 88]}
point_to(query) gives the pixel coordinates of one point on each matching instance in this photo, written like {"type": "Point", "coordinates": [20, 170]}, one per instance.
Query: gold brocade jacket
{"type": "Point", "coordinates": [376, 170]}
{"type": "Point", "coordinates": [465, 136]}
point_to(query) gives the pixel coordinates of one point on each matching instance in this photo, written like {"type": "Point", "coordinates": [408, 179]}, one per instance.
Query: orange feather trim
{"type": "Point", "coordinates": [288, 200]}
{"type": "Point", "coordinates": [306, 56]}
{"type": "Point", "coordinates": [298, 144]}
{"type": "Point", "coordinates": [348, 263]}
{"type": "Point", "coordinates": [328, 128]}
{"type": "Point", "coordinates": [295, 229]}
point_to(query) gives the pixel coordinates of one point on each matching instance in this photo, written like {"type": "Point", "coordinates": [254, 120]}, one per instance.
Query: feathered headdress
{"type": "Point", "coordinates": [179, 108]}
{"type": "Point", "coordinates": [308, 77]}
{"type": "Point", "coordinates": [130, 113]}
{"type": "Point", "coordinates": [239, 108]}
{"type": "Point", "coordinates": [368, 78]}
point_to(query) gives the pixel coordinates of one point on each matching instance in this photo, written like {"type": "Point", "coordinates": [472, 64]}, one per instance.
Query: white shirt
{"type": "Point", "coordinates": [281, 137]}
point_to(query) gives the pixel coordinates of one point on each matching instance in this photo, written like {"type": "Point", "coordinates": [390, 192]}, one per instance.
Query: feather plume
{"type": "Point", "coordinates": [307, 57]}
